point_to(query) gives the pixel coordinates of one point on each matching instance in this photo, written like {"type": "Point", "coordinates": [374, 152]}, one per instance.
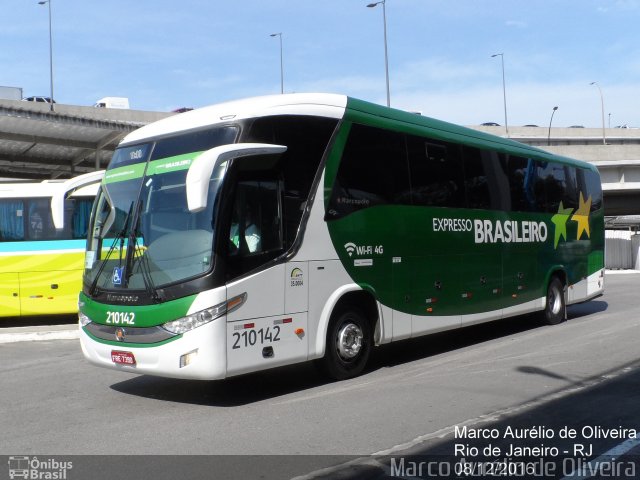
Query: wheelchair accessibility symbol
{"type": "Point", "coordinates": [116, 279]}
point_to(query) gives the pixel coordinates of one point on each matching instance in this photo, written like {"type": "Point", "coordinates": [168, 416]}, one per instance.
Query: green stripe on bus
{"type": "Point", "coordinates": [144, 315]}
{"type": "Point", "coordinates": [122, 174]}
{"type": "Point", "coordinates": [156, 167]}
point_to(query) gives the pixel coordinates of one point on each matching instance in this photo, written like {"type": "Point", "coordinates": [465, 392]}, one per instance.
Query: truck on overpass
{"type": "Point", "coordinates": [10, 93]}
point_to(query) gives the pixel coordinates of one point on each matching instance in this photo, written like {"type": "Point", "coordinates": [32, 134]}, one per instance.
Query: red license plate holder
{"type": "Point", "coordinates": [123, 358]}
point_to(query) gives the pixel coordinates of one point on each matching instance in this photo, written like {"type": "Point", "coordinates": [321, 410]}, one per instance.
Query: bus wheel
{"type": "Point", "coordinates": [349, 343]}
{"type": "Point", "coordinates": [554, 310]}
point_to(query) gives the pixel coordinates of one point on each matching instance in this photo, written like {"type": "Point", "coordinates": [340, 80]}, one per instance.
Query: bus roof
{"type": "Point", "coordinates": [448, 131]}
{"type": "Point", "coordinates": [318, 104]}
{"type": "Point", "coordinates": [335, 106]}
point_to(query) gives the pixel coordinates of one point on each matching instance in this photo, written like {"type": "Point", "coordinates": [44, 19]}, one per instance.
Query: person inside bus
{"type": "Point", "coordinates": [251, 232]}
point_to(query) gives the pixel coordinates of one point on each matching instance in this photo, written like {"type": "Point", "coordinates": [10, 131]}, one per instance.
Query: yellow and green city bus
{"type": "Point", "coordinates": [282, 229]}
{"type": "Point", "coordinates": [43, 230]}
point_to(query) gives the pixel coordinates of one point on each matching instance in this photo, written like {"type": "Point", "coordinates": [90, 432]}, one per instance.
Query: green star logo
{"type": "Point", "coordinates": [560, 221]}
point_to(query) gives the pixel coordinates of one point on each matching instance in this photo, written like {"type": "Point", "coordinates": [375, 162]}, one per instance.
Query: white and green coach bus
{"type": "Point", "coordinates": [281, 229]}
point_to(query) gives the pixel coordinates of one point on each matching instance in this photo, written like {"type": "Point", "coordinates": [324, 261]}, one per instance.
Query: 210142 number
{"type": "Point", "coordinates": [249, 338]}
{"type": "Point", "coordinates": [121, 318]}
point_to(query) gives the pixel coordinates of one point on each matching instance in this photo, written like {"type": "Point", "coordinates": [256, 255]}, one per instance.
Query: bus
{"type": "Point", "coordinates": [281, 229]}
{"type": "Point", "coordinates": [43, 229]}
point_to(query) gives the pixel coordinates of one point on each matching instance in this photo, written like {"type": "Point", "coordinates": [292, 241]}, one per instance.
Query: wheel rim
{"type": "Point", "coordinates": [555, 301]}
{"type": "Point", "coordinates": [349, 341]}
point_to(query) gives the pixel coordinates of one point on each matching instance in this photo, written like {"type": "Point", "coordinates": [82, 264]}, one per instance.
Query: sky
{"type": "Point", "coordinates": [165, 55]}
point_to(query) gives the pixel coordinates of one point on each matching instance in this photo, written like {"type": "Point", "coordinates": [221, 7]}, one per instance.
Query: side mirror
{"type": "Point", "coordinates": [202, 167]}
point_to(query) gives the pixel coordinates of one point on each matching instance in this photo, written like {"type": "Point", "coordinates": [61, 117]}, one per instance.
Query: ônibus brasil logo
{"type": "Point", "coordinates": [33, 467]}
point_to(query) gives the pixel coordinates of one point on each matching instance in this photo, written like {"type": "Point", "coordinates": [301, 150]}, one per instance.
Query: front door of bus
{"type": "Point", "coordinates": [260, 333]}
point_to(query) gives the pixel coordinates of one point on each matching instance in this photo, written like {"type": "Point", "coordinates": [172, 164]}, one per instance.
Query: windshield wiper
{"type": "Point", "coordinates": [120, 236]}
{"type": "Point", "coordinates": [138, 258]}
{"type": "Point", "coordinates": [141, 260]}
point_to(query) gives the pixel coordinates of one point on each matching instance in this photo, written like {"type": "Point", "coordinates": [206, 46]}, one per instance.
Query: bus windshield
{"type": "Point", "coordinates": [142, 234]}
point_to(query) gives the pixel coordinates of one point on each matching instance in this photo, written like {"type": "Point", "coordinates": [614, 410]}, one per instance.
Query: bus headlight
{"type": "Point", "coordinates": [203, 317]}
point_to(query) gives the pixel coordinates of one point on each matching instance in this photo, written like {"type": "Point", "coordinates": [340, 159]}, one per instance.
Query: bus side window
{"type": "Point", "coordinates": [590, 185]}
{"type": "Point", "coordinates": [570, 194]}
{"type": "Point", "coordinates": [373, 171]}
{"type": "Point", "coordinates": [306, 138]}
{"type": "Point", "coordinates": [40, 223]}
{"type": "Point", "coordinates": [559, 186]}
{"type": "Point", "coordinates": [11, 220]}
{"type": "Point", "coordinates": [534, 185]}
{"type": "Point", "coordinates": [80, 217]}
{"type": "Point", "coordinates": [521, 175]}
{"type": "Point", "coordinates": [476, 185]}
{"type": "Point", "coordinates": [497, 180]}
{"type": "Point", "coordinates": [255, 233]}
{"type": "Point", "coordinates": [436, 173]}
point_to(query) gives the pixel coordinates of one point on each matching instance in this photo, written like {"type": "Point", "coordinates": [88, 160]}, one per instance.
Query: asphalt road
{"type": "Point", "coordinates": [418, 399]}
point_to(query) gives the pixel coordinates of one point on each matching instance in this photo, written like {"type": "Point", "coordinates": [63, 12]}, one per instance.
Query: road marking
{"type": "Point", "coordinates": [591, 468]}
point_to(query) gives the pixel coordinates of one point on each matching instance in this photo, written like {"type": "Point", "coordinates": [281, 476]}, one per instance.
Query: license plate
{"type": "Point", "coordinates": [123, 358]}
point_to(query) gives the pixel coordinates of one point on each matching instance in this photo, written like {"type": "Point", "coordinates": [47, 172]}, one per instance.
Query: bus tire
{"type": "Point", "coordinates": [349, 341]}
{"type": "Point", "coordinates": [554, 310]}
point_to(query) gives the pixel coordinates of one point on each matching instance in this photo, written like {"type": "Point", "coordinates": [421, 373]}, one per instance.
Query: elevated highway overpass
{"type": "Point", "coordinates": [38, 143]}
{"type": "Point", "coordinates": [617, 158]}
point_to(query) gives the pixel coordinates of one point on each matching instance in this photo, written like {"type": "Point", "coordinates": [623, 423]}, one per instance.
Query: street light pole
{"type": "Point", "coordinates": [48, 2]}
{"type": "Point", "coordinates": [281, 62]}
{"type": "Point", "coordinates": [549, 135]}
{"type": "Point", "coordinates": [604, 138]}
{"type": "Point", "coordinates": [504, 92]}
{"type": "Point", "coordinates": [386, 54]}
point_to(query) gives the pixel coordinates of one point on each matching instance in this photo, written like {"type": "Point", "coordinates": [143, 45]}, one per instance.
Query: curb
{"type": "Point", "coordinates": [29, 334]}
